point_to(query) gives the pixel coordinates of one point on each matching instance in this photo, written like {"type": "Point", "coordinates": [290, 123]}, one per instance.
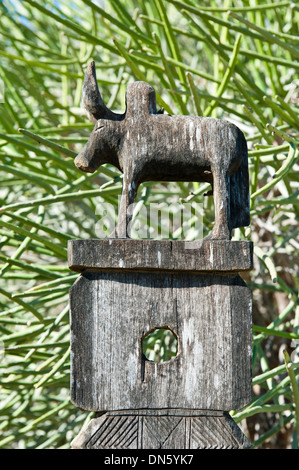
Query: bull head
{"type": "Point", "coordinates": [97, 150]}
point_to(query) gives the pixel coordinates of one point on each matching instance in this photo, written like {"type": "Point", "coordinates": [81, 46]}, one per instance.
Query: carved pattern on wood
{"type": "Point", "coordinates": [140, 430]}
{"type": "Point", "coordinates": [117, 432]}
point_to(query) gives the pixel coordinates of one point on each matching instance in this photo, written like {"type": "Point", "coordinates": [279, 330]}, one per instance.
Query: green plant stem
{"type": "Point", "coordinates": [270, 37]}
{"type": "Point", "coordinates": [70, 24]}
{"type": "Point", "coordinates": [48, 143]}
{"type": "Point", "coordinates": [295, 390]}
{"type": "Point", "coordinates": [271, 331]}
{"type": "Point", "coordinates": [261, 409]}
{"type": "Point", "coordinates": [57, 366]}
{"type": "Point", "coordinates": [61, 198]}
{"type": "Point", "coordinates": [171, 38]}
{"type": "Point", "coordinates": [34, 423]}
{"type": "Point", "coordinates": [226, 78]}
{"type": "Point", "coordinates": [291, 159]}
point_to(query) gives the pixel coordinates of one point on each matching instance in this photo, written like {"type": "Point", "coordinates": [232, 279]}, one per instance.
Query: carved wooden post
{"type": "Point", "coordinates": [127, 288]}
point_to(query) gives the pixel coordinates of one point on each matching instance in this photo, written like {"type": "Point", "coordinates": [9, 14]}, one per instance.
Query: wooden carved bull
{"type": "Point", "coordinates": [147, 145]}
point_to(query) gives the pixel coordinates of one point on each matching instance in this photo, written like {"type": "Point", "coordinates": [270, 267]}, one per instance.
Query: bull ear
{"type": "Point", "coordinates": [91, 98]}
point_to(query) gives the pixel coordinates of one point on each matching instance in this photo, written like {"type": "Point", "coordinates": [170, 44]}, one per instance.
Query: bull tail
{"type": "Point", "coordinates": [239, 192]}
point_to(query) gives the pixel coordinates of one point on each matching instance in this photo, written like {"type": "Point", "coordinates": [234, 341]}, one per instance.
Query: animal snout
{"type": "Point", "coordinates": [83, 164]}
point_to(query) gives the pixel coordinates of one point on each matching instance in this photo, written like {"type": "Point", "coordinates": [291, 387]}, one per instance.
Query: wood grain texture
{"type": "Point", "coordinates": [147, 145]}
{"type": "Point", "coordinates": [161, 255]}
{"type": "Point", "coordinates": [111, 311]}
{"type": "Point", "coordinates": [128, 288]}
{"type": "Point", "coordinates": [162, 429]}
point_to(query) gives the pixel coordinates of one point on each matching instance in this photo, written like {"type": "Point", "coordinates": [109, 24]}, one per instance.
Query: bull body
{"type": "Point", "coordinates": [149, 146]}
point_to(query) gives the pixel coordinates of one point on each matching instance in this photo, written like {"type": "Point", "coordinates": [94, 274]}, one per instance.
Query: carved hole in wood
{"type": "Point", "coordinates": [160, 344]}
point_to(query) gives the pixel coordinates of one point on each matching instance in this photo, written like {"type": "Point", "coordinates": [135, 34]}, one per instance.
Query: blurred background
{"type": "Point", "coordinates": [236, 60]}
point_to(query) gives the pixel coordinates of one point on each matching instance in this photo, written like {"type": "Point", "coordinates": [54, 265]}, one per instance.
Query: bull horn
{"type": "Point", "coordinates": [91, 98]}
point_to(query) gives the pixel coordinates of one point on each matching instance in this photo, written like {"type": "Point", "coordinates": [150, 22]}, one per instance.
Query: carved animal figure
{"type": "Point", "coordinates": [147, 145]}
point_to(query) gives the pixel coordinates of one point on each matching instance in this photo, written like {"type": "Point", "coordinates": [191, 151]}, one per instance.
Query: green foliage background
{"type": "Point", "coordinates": [236, 60]}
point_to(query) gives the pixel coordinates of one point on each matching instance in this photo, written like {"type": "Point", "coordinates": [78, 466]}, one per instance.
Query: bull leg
{"type": "Point", "coordinates": [129, 192]}
{"type": "Point", "coordinates": [221, 191]}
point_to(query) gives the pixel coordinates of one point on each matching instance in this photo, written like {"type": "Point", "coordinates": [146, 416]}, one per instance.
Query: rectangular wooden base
{"type": "Point", "coordinates": [160, 255]}
{"type": "Point", "coordinates": [162, 429]}
{"type": "Point", "coordinates": [210, 314]}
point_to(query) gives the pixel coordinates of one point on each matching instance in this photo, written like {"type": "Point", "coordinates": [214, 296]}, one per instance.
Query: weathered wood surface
{"type": "Point", "coordinates": [162, 429]}
{"type": "Point", "coordinates": [161, 255]}
{"type": "Point", "coordinates": [147, 145]}
{"type": "Point", "coordinates": [128, 288]}
{"type": "Point", "coordinates": [111, 311]}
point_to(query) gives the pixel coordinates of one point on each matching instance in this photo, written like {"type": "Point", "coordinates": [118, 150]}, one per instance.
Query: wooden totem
{"type": "Point", "coordinates": [128, 288]}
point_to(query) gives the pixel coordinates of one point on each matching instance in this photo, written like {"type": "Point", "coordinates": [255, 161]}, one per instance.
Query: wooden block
{"type": "Point", "coordinates": [209, 313]}
{"type": "Point", "coordinates": [162, 255]}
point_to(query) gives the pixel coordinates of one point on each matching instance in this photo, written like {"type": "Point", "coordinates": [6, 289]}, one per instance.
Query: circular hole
{"type": "Point", "coordinates": [160, 345]}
